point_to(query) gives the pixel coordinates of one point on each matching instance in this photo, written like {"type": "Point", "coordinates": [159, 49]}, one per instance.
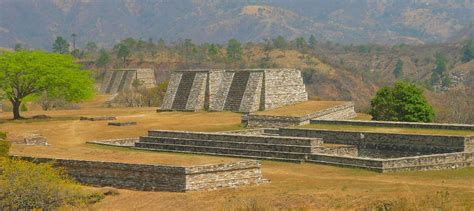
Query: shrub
{"type": "Point", "coordinates": [26, 185]}
{"type": "Point", "coordinates": [403, 102]}
{"type": "Point", "coordinates": [4, 145]}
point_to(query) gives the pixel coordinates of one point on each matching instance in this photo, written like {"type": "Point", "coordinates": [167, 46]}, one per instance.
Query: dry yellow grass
{"type": "Point", "coordinates": [292, 186]}
{"type": "Point", "coordinates": [301, 109]}
{"type": "Point", "coordinates": [311, 186]}
{"type": "Point", "coordinates": [68, 135]}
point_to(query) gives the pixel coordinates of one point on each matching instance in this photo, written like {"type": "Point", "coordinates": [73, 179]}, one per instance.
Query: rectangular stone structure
{"type": "Point", "coordinates": [118, 80]}
{"type": "Point", "coordinates": [244, 91]}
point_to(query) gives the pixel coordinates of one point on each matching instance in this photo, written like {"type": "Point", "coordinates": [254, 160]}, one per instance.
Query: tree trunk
{"type": "Point", "coordinates": [16, 109]}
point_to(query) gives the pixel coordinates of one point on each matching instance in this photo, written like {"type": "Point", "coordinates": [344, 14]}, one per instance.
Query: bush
{"type": "Point", "coordinates": [403, 102]}
{"type": "Point", "coordinates": [26, 185]}
{"type": "Point", "coordinates": [4, 145]}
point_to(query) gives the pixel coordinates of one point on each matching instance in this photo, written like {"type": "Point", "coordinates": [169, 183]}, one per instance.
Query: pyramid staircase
{"type": "Point", "coordinates": [236, 91]}
{"type": "Point", "coordinates": [184, 89]}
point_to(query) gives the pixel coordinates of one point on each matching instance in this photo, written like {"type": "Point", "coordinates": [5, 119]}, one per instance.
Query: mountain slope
{"type": "Point", "coordinates": [37, 22]}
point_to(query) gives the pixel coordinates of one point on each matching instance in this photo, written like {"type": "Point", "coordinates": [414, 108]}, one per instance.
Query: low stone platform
{"type": "Point", "coordinates": [236, 145]}
{"type": "Point", "coordinates": [122, 123]}
{"type": "Point", "coordinates": [299, 114]}
{"type": "Point", "coordinates": [148, 177]}
{"type": "Point", "coordinates": [98, 118]}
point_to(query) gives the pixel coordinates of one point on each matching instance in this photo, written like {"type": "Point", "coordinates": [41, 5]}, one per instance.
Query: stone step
{"type": "Point", "coordinates": [278, 140]}
{"type": "Point", "coordinates": [227, 144]}
{"type": "Point", "coordinates": [236, 91]}
{"type": "Point", "coordinates": [223, 151]}
{"type": "Point", "coordinates": [184, 89]}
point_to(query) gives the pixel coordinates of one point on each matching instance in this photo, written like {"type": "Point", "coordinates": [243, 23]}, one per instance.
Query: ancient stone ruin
{"type": "Point", "coordinates": [122, 79]}
{"type": "Point", "coordinates": [234, 90]}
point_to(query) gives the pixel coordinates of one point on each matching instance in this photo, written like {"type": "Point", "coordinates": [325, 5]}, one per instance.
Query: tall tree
{"type": "Point", "coordinates": [398, 71]}
{"type": "Point", "coordinates": [300, 43]}
{"type": "Point", "coordinates": [18, 47]}
{"type": "Point", "coordinates": [104, 59]}
{"type": "Point", "coordinates": [26, 73]}
{"type": "Point", "coordinates": [468, 51]}
{"type": "Point", "coordinates": [73, 41]}
{"type": "Point", "coordinates": [280, 42]}
{"type": "Point", "coordinates": [91, 47]}
{"type": "Point", "coordinates": [60, 45]}
{"type": "Point", "coordinates": [312, 42]}
{"type": "Point", "coordinates": [440, 69]}
{"type": "Point", "coordinates": [123, 52]}
{"type": "Point", "coordinates": [234, 51]}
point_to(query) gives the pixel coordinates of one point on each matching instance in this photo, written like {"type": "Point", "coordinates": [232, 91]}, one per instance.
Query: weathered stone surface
{"type": "Point", "coordinates": [98, 118]}
{"type": "Point", "coordinates": [396, 124]}
{"type": "Point", "coordinates": [122, 142]}
{"type": "Point", "coordinates": [158, 177]}
{"type": "Point", "coordinates": [388, 141]}
{"type": "Point", "coordinates": [32, 139]}
{"type": "Point", "coordinates": [416, 163]}
{"type": "Point", "coordinates": [118, 80]}
{"type": "Point", "coordinates": [237, 90]}
{"type": "Point", "coordinates": [340, 112]}
{"type": "Point", "coordinates": [122, 123]}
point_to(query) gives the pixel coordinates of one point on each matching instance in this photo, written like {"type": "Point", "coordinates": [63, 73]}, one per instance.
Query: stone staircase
{"type": "Point", "coordinates": [236, 91]}
{"type": "Point", "coordinates": [236, 145]}
{"type": "Point", "coordinates": [111, 82]}
{"type": "Point", "coordinates": [184, 89]}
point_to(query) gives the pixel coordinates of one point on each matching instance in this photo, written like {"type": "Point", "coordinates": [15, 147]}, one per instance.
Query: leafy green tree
{"type": "Point", "coordinates": [123, 52]}
{"type": "Point", "coordinates": [312, 42]}
{"type": "Point", "coordinates": [30, 73]}
{"type": "Point", "coordinates": [91, 47]}
{"type": "Point", "coordinates": [280, 42]}
{"type": "Point", "coordinates": [18, 47]}
{"type": "Point", "coordinates": [468, 51]}
{"type": "Point", "coordinates": [398, 71]}
{"type": "Point", "coordinates": [234, 51]}
{"type": "Point", "coordinates": [104, 59]}
{"type": "Point", "coordinates": [300, 43]}
{"type": "Point", "coordinates": [60, 45]}
{"type": "Point", "coordinates": [440, 69]}
{"type": "Point", "coordinates": [402, 102]}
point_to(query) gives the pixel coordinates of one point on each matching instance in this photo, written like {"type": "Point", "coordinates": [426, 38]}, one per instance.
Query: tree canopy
{"type": "Point", "coordinates": [61, 46]}
{"type": "Point", "coordinates": [234, 51]}
{"type": "Point", "coordinates": [31, 73]}
{"type": "Point", "coordinates": [402, 102]}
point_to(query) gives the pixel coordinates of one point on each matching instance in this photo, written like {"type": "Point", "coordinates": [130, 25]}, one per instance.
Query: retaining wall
{"type": "Point", "coordinates": [158, 177]}
{"type": "Point", "coordinates": [344, 111]}
{"type": "Point", "coordinates": [395, 124]}
{"type": "Point", "coordinates": [388, 141]}
{"type": "Point", "coordinates": [415, 163]}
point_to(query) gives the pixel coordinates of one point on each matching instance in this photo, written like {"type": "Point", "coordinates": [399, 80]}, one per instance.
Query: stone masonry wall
{"type": "Point", "coordinates": [221, 94]}
{"type": "Point", "coordinates": [251, 99]}
{"type": "Point", "coordinates": [387, 141]}
{"type": "Point", "coordinates": [171, 91]}
{"type": "Point", "coordinates": [416, 163]}
{"type": "Point", "coordinates": [283, 87]}
{"type": "Point", "coordinates": [196, 97]}
{"type": "Point", "coordinates": [265, 89]}
{"type": "Point", "coordinates": [159, 178]}
{"type": "Point", "coordinates": [340, 112]}
{"type": "Point", "coordinates": [395, 124]}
